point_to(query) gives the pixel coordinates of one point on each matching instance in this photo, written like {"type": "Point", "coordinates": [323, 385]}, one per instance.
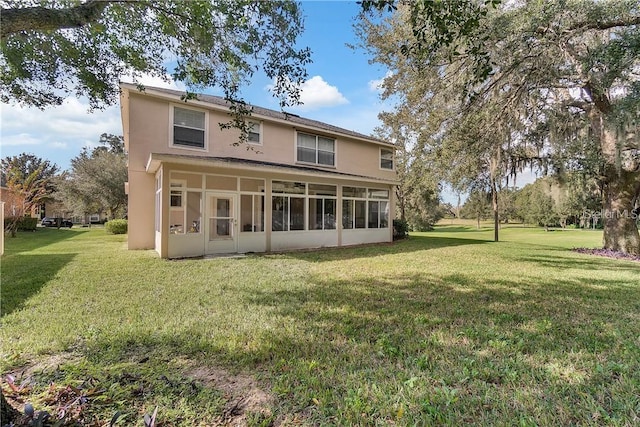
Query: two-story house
{"type": "Point", "coordinates": [301, 184]}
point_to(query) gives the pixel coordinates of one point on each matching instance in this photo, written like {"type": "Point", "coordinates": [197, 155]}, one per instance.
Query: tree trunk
{"type": "Point", "coordinates": [496, 217]}
{"type": "Point", "coordinates": [621, 190]}
{"type": "Point", "coordinates": [495, 164]}
{"type": "Point", "coordinates": [620, 229]}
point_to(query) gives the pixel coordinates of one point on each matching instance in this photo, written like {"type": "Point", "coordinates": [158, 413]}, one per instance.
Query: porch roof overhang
{"type": "Point", "coordinates": [157, 159]}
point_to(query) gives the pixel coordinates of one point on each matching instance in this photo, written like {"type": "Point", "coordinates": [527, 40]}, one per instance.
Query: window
{"type": "Point", "coordinates": [255, 133]}
{"type": "Point", "coordinates": [316, 149]}
{"type": "Point", "coordinates": [252, 213]}
{"type": "Point", "coordinates": [386, 159]}
{"type": "Point", "coordinates": [288, 208]}
{"type": "Point", "coordinates": [288, 213]}
{"type": "Point", "coordinates": [365, 208]}
{"type": "Point", "coordinates": [251, 205]}
{"type": "Point", "coordinates": [322, 210]}
{"type": "Point", "coordinates": [354, 211]}
{"type": "Point", "coordinates": [188, 128]}
{"type": "Point", "coordinates": [378, 214]}
{"type": "Point", "coordinates": [185, 210]}
{"type": "Point", "coordinates": [322, 214]}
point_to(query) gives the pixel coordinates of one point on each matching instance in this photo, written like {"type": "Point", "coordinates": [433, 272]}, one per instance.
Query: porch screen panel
{"type": "Point", "coordinates": [251, 213]}
{"type": "Point", "coordinates": [280, 213]}
{"type": "Point", "coordinates": [296, 213]}
{"type": "Point", "coordinates": [194, 212]}
{"type": "Point", "coordinates": [347, 214]}
{"type": "Point", "coordinates": [360, 214]}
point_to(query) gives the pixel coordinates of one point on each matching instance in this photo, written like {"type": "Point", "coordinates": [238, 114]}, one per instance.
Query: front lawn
{"type": "Point", "coordinates": [446, 327]}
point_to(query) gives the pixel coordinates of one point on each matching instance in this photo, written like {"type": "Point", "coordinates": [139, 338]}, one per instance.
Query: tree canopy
{"type": "Point", "coordinates": [30, 179]}
{"type": "Point", "coordinates": [563, 92]}
{"type": "Point", "coordinates": [52, 49]}
{"type": "Point", "coordinates": [96, 180]}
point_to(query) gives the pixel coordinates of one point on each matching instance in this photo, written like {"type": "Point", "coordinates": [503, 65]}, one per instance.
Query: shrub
{"type": "Point", "coordinates": [116, 226]}
{"type": "Point", "coordinates": [22, 224]}
{"type": "Point", "coordinates": [400, 229]}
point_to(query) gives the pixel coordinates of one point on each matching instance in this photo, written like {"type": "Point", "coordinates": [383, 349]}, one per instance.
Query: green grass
{"type": "Point", "coordinates": [446, 327]}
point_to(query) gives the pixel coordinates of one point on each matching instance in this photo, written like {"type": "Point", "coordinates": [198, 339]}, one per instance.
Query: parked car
{"type": "Point", "coordinates": [53, 222]}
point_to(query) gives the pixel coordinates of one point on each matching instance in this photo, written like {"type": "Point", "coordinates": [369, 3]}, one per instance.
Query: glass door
{"type": "Point", "coordinates": [221, 223]}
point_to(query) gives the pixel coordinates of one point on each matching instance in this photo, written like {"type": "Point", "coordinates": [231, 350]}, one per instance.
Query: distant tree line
{"type": "Point", "coordinates": [570, 201]}
{"type": "Point", "coordinates": [93, 184]}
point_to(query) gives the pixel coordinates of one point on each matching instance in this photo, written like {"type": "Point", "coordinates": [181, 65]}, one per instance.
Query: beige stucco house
{"type": "Point", "coordinates": [296, 184]}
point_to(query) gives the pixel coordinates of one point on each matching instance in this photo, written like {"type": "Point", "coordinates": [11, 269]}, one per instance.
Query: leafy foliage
{"type": "Point", "coordinates": [51, 50]}
{"type": "Point", "coordinates": [116, 226]}
{"type": "Point", "coordinates": [418, 194]}
{"type": "Point", "coordinates": [400, 229]}
{"type": "Point", "coordinates": [536, 206]}
{"type": "Point", "coordinates": [561, 95]}
{"type": "Point", "coordinates": [96, 180]}
{"type": "Point", "coordinates": [477, 206]}
{"type": "Point", "coordinates": [31, 181]}
{"type": "Point", "coordinates": [21, 223]}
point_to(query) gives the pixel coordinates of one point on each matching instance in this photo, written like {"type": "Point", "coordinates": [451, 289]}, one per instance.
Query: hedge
{"type": "Point", "coordinates": [24, 223]}
{"type": "Point", "coordinates": [116, 226]}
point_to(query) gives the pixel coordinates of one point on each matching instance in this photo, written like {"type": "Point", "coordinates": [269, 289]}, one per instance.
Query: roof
{"type": "Point", "coordinates": [261, 111]}
{"type": "Point", "coordinates": [155, 159]}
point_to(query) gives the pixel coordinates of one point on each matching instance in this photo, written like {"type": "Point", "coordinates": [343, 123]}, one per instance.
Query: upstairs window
{"type": "Point", "coordinates": [188, 128]}
{"type": "Point", "coordinates": [316, 149]}
{"type": "Point", "coordinates": [386, 159]}
{"type": "Point", "coordinates": [255, 133]}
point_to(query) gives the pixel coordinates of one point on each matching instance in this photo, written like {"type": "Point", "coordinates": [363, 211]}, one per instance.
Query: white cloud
{"type": "Point", "coordinates": [22, 139]}
{"type": "Point", "coordinates": [57, 133]}
{"type": "Point", "coordinates": [156, 81]}
{"type": "Point", "coordinates": [376, 85]}
{"type": "Point", "coordinates": [317, 93]}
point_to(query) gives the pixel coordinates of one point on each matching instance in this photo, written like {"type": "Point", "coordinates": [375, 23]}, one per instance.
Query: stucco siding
{"type": "Point", "coordinates": [141, 213]}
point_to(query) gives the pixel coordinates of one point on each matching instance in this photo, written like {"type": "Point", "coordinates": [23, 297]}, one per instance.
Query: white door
{"type": "Point", "coordinates": [221, 223]}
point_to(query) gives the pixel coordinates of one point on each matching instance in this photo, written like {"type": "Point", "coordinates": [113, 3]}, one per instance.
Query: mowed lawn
{"type": "Point", "coordinates": [446, 327]}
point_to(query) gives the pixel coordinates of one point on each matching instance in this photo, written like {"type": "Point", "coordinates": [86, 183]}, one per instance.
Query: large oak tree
{"type": "Point", "coordinates": [560, 74]}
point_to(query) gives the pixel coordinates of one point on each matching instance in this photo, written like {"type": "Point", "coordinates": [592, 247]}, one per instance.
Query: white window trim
{"type": "Point", "coordinates": [335, 150]}
{"type": "Point", "coordinates": [393, 159]}
{"type": "Point", "coordinates": [182, 188]}
{"type": "Point", "coordinates": [172, 107]}
{"type": "Point", "coordinates": [260, 134]}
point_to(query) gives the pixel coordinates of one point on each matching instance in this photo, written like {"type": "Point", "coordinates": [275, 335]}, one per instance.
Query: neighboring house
{"type": "Point", "coordinates": [296, 184]}
{"type": "Point", "coordinates": [14, 204]}
{"type": "Point", "coordinates": [57, 209]}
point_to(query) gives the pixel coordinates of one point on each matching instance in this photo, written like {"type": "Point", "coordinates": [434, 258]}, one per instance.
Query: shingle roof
{"type": "Point", "coordinates": [231, 161]}
{"type": "Point", "coordinates": [279, 115]}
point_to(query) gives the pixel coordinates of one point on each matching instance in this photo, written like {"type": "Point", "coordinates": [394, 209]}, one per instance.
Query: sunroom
{"type": "Point", "coordinates": [207, 206]}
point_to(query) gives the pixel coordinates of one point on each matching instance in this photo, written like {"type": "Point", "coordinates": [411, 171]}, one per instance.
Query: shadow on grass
{"type": "Point", "coordinates": [441, 228]}
{"type": "Point", "coordinates": [412, 244]}
{"type": "Point", "coordinates": [24, 275]}
{"type": "Point", "coordinates": [338, 338]}
{"type": "Point", "coordinates": [581, 263]}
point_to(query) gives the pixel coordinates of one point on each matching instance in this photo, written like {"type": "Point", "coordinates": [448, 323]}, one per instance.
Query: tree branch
{"type": "Point", "coordinates": [14, 20]}
{"type": "Point", "coordinates": [604, 25]}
